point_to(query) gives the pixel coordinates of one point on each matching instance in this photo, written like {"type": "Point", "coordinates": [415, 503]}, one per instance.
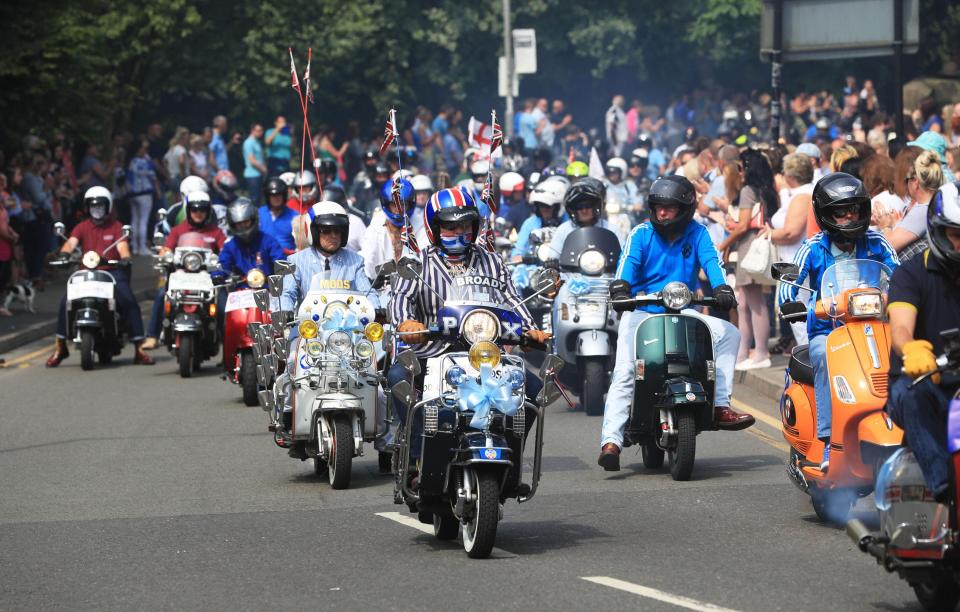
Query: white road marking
{"type": "Point", "coordinates": [636, 589]}
{"type": "Point", "coordinates": [409, 521]}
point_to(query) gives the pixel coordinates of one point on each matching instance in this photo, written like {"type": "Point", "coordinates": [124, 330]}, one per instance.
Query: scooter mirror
{"type": "Point", "coordinates": [265, 341]}
{"type": "Point", "coordinates": [408, 361]}
{"type": "Point", "coordinates": [782, 268]}
{"type": "Point", "coordinates": [161, 214]}
{"type": "Point", "coordinates": [252, 329]}
{"type": "Point", "coordinates": [536, 236]}
{"type": "Point", "coordinates": [126, 231]}
{"type": "Point", "coordinates": [275, 285]}
{"type": "Point", "coordinates": [546, 278]}
{"type": "Point", "coordinates": [261, 375]}
{"type": "Point", "coordinates": [501, 243]}
{"type": "Point", "coordinates": [383, 272]}
{"type": "Point", "coordinates": [500, 224]}
{"type": "Point", "coordinates": [403, 392]}
{"type": "Point", "coordinates": [60, 230]}
{"type": "Point", "coordinates": [284, 267]}
{"type": "Point", "coordinates": [552, 364]}
{"type": "Point", "coordinates": [272, 362]}
{"type": "Point", "coordinates": [548, 394]}
{"type": "Point", "coordinates": [257, 353]}
{"type": "Point", "coordinates": [262, 300]}
{"type": "Point", "coordinates": [281, 348]}
{"type": "Point", "coordinates": [159, 239]}
{"type": "Point", "coordinates": [408, 269]}
{"type": "Point", "coordinates": [265, 398]}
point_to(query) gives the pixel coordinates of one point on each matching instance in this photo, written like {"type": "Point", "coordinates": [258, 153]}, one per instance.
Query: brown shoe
{"type": "Point", "coordinates": [609, 458]}
{"type": "Point", "coordinates": [731, 420]}
{"type": "Point", "coordinates": [141, 358]}
{"type": "Point", "coordinates": [149, 344]}
{"type": "Point", "coordinates": [60, 353]}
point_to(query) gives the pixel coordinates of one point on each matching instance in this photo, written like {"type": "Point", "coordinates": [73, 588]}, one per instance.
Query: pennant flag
{"type": "Point", "coordinates": [488, 195]}
{"type": "Point", "coordinates": [390, 134]}
{"type": "Point", "coordinates": [306, 77]}
{"type": "Point", "coordinates": [496, 139]}
{"type": "Point", "coordinates": [408, 237]}
{"type": "Point", "coordinates": [487, 239]}
{"type": "Point", "coordinates": [293, 71]}
{"type": "Point", "coordinates": [596, 168]}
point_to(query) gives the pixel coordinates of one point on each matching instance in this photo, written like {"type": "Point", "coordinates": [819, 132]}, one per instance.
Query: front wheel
{"type": "Point", "coordinates": [445, 526]}
{"type": "Point", "coordinates": [940, 594]}
{"type": "Point", "coordinates": [248, 379]}
{"type": "Point", "coordinates": [684, 453]}
{"type": "Point", "coordinates": [87, 345]}
{"type": "Point", "coordinates": [480, 533]}
{"type": "Point", "coordinates": [594, 371]}
{"type": "Point", "coordinates": [341, 453]}
{"type": "Point", "coordinates": [185, 355]}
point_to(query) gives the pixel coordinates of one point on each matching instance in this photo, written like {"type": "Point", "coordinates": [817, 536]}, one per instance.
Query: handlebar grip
{"type": "Point", "coordinates": [527, 342]}
{"type": "Point", "coordinates": [622, 305]}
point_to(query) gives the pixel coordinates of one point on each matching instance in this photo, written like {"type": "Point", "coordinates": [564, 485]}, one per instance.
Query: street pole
{"type": "Point", "coordinates": [776, 67]}
{"type": "Point", "coordinates": [898, 69]}
{"type": "Point", "coordinates": [508, 53]}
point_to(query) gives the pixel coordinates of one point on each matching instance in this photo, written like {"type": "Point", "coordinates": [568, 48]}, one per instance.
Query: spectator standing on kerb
{"type": "Point", "coordinates": [255, 168]}
{"type": "Point", "coordinates": [278, 143]}
{"type": "Point", "coordinates": [218, 146]}
{"type": "Point", "coordinates": [560, 121]}
{"type": "Point", "coordinates": [615, 121]}
{"type": "Point", "coordinates": [38, 217]}
{"type": "Point", "coordinates": [142, 186]}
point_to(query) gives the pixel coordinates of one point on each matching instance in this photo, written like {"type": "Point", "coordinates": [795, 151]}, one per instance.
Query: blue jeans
{"type": "Point", "coordinates": [156, 315]}
{"type": "Point", "coordinates": [254, 186]}
{"type": "Point", "coordinates": [821, 386]}
{"type": "Point", "coordinates": [922, 413]}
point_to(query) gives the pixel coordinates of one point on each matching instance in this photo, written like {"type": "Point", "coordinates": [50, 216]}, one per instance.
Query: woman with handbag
{"type": "Point", "coordinates": [756, 206]}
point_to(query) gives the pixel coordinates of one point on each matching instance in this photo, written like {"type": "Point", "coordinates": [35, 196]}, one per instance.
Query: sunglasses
{"type": "Point", "coordinates": [839, 212]}
{"type": "Point", "coordinates": [330, 230]}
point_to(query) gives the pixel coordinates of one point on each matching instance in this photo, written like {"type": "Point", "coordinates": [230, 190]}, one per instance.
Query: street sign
{"type": "Point", "coordinates": [502, 80]}
{"type": "Point", "coordinates": [525, 51]}
{"type": "Point", "coordinates": [838, 29]}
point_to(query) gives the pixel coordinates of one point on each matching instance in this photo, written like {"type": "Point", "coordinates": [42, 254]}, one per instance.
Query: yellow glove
{"type": "Point", "coordinates": [918, 359]}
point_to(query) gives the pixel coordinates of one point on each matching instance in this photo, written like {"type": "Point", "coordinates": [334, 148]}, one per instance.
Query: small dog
{"type": "Point", "coordinates": [21, 292]}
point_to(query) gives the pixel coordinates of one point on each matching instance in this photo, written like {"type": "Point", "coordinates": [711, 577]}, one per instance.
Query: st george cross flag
{"type": "Point", "coordinates": [480, 135]}
{"type": "Point", "coordinates": [390, 133]}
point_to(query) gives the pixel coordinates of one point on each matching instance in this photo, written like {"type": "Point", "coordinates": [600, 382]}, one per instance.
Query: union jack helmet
{"type": "Point", "coordinates": [454, 204]}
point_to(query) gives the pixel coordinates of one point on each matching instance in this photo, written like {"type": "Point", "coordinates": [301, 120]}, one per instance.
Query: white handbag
{"type": "Point", "coordinates": [757, 261]}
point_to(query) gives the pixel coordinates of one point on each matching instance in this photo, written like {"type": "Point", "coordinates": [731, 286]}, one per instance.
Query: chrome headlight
{"type": "Point", "coordinates": [314, 348]}
{"type": "Point", "coordinates": [479, 326]}
{"type": "Point", "coordinates": [363, 349]}
{"type": "Point", "coordinates": [592, 261]}
{"type": "Point", "coordinates": [865, 305]}
{"type": "Point", "coordinates": [676, 296]}
{"type": "Point", "coordinates": [256, 278]}
{"type": "Point", "coordinates": [339, 343]}
{"type": "Point", "coordinates": [91, 260]}
{"type": "Point", "coordinates": [333, 307]}
{"type": "Point", "coordinates": [544, 252]}
{"type": "Point", "coordinates": [191, 261]}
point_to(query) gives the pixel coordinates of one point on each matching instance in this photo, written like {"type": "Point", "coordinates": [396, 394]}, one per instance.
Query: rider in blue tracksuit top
{"type": "Point", "coordinates": [670, 247]}
{"type": "Point", "coordinates": [250, 247]}
{"type": "Point", "coordinates": [841, 206]}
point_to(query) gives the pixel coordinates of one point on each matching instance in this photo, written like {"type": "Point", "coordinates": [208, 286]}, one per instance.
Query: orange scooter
{"type": "Point", "coordinates": [853, 297]}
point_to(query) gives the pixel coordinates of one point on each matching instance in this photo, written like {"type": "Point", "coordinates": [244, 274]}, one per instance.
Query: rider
{"type": "Point", "coordinates": [422, 190]}
{"type": "Point", "coordinates": [453, 223]}
{"type": "Point", "coordinates": [929, 284]}
{"type": "Point", "coordinates": [276, 218]}
{"type": "Point", "coordinates": [326, 258]}
{"type": "Point", "coordinates": [304, 192]}
{"type": "Point", "coordinates": [250, 247]}
{"type": "Point", "coordinates": [545, 199]}
{"type": "Point", "coordinates": [576, 171]}
{"type": "Point", "coordinates": [382, 240]}
{"type": "Point", "coordinates": [333, 192]}
{"type": "Point", "coordinates": [616, 183]}
{"type": "Point", "coordinates": [841, 206]}
{"type": "Point", "coordinates": [178, 213]}
{"type": "Point", "coordinates": [513, 206]}
{"type": "Point", "coordinates": [224, 188]}
{"type": "Point", "coordinates": [669, 247]}
{"type": "Point", "coordinates": [97, 232]}
{"type": "Point", "coordinates": [583, 202]}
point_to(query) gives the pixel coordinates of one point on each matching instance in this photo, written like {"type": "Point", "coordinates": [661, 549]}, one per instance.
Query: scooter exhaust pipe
{"type": "Point", "coordinates": [860, 534]}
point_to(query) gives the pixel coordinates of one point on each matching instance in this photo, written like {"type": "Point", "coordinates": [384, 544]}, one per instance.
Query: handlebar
{"type": "Point", "coordinates": [624, 305]}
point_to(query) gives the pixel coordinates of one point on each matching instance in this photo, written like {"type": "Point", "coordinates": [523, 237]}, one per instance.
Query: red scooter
{"type": "Point", "coordinates": [239, 364]}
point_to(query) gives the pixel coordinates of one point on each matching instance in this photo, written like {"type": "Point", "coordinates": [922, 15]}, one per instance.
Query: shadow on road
{"type": "Point", "coordinates": [706, 468]}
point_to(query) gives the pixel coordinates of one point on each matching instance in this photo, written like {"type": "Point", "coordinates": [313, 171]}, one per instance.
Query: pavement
{"type": "Point", "coordinates": [130, 488]}
{"type": "Point", "coordinates": [25, 327]}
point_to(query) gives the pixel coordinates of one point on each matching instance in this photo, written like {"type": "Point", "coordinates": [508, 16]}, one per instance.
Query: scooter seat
{"type": "Point", "coordinates": [801, 370]}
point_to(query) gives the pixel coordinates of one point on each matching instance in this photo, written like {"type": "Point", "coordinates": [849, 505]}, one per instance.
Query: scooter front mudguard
{"type": "Point", "coordinates": [594, 343]}
{"type": "Point", "coordinates": [879, 438]}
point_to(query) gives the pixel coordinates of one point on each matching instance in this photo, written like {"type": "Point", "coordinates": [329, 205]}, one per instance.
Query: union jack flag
{"type": "Point", "coordinates": [408, 237]}
{"type": "Point", "coordinates": [390, 132]}
{"type": "Point", "coordinates": [487, 194]}
{"type": "Point", "coordinates": [496, 138]}
{"type": "Point", "coordinates": [487, 239]}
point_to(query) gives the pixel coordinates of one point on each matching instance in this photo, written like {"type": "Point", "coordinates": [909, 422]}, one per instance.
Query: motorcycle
{"type": "Point", "coordinates": [918, 537]}
{"type": "Point", "coordinates": [583, 324]}
{"type": "Point", "coordinates": [190, 305]}
{"type": "Point", "coordinates": [239, 363]}
{"type": "Point", "coordinates": [675, 374]}
{"type": "Point", "coordinates": [333, 386]}
{"type": "Point", "coordinates": [93, 321]}
{"type": "Point", "coordinates": [858, 357]}
{"type": "Point", "coordinates": [475, 420]}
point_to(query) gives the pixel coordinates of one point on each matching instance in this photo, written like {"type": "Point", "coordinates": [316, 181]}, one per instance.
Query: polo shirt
{"type": "Point", "coordinates": [96, 238]}
{"type": "Point", "coordinates": [212, 235]}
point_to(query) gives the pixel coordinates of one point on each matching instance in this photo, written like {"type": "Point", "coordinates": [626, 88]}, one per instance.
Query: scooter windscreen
{"type": "Point", "coordinates": [590, 250]}
{"type": "Point", "coordinates": [195, 240]}
{"type": "Point", "coordinates": [854, 274]}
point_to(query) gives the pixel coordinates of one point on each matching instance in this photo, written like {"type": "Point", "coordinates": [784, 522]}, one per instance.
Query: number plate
{"type": "Point", "coordinates": [240, 300]}
{"type": "Point", "coordinates": [181, 280]}
{"type": "Point", "coordinates": [90, 289]}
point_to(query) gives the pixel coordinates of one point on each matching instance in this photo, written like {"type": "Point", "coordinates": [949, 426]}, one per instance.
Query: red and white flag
{"type": "Point", "coordinates": [480, 135]}
{"type": "Point", "coordinates": [390, 133]}
{"type": "Point", "coordinates": [293, 71]}
{"type": "Point", "coordinates": [408, 237]}
{"type": "Point", "coordinates": [306, 77]}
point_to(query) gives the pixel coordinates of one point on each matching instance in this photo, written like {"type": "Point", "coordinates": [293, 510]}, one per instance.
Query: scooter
{"type": "Point", "coordinates": [918, 537]}
{"type": "Point", "coordinates": [239, 363]}
{"type": "Point", "coordinates": [675, 374]}
{"type": "Point", "coordinates": [93, 321]}
{"type": "Point", "coordinates": [858, 358]}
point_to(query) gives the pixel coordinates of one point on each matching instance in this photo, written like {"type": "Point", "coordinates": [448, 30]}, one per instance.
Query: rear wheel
{"type": "Point", "coordinates": [941, 594]}
{"type": "Point", "coordinates": [683, 455]}
{"type": "Point", "coordinates": [341, 453]}
{"type": "Point", "coordinates": [248, 379]}
{"type": "Point", "coordinates": [480, 532]}
{"type": "Point", "coordinates": [87, 343]}
{"type": "Point", "coordinates": [185, 355]}
{"type": "Point", "coordinates": [652, 456]}
{"type": "Point", "coordinates": [594, 385]}
{"type": "Point", "coordinates": [832, 506]}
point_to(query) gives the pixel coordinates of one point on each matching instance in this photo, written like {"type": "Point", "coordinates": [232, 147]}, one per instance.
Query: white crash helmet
{"type": "Point", "coordinates": [617, 163]}
{"type": "Point", "coordinates": [510, 182]}
{"type": "Point", "coordinates": [402, 173]}
{"type": "Point", "coordinates": [467, 183]}
{"type": "Point", "coordinates": [325, 213]}
{"type": "Point", "coordinates": [421, 182]}
{"type": "Point", "coordinates": [288, 178]}
{"type": "Point", "coordinates": [99, 198]}
{"type": "Point", "coordinates": [190, 184]}
{"type": "Point", "coordinates": [308, 180]}
{"type": "Point", "coordinates": [479, 167]}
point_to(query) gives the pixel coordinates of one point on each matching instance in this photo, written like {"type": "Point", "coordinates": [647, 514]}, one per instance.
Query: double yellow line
{"type": "Point", "coordinates": [776, 442]}
{"type": "Point", "coordinates": [23, 359]}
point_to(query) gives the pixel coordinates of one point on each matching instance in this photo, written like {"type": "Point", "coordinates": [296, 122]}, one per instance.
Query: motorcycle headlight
{"type": "Point", "coordinates": [484, 353]}
{"type": "Point", "coordinates": [592, 261]}
{"type": "Point", "coordinates": [516, 378]}
{"type": "Point", "coordinates": [676, 296]}
{"type": "Point", "coordinates": [339, 343]}
{"type": "Point", "coordinates": [544, 252]}
{"type": "Point", "coordinates": [363, 349]}
{"type": "Point", "coordinates": [333, 307]}
{"type": "Point", "coordinates": [456, 376]}
{"type": "Point", "coordinates": [314, 348]}
{"type": "Point", "coordinates": [191, 261]}
{"type": "Point", "coordinates": [373, 332]}
{"type": "Point", "coordinates": [91, 260]}
{"type": "Point", "coordinates": [480, 326]}
{"type": "Point", "coordinates": [308, 329]}
{"type": "Point", "coordinates": [865, 305]}
{"type": "Point", "coordinates": [256, 278]}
